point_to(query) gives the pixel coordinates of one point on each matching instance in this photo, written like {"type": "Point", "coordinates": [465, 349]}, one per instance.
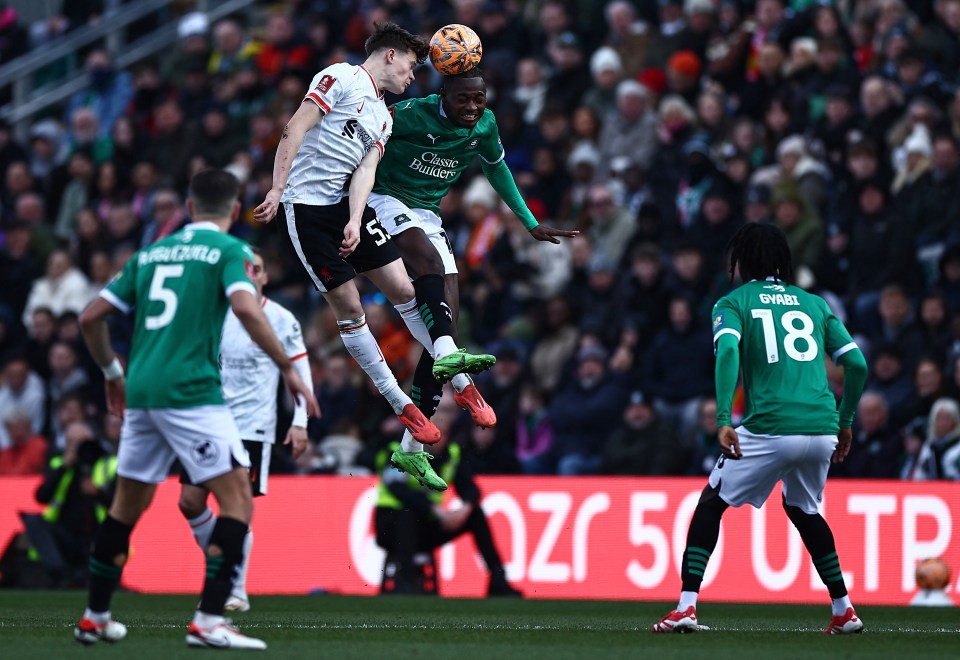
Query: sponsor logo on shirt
{"type": "Point", "coordinates": [433, 140]}
{"type": "Point", "coordinates": [352, 128]}
{"type": "Point", "coordinates": [473, 143]}
{"type": "Point", "coordinates": [775, 287]}
{"type": "Point", "coordinates": [433, 165]}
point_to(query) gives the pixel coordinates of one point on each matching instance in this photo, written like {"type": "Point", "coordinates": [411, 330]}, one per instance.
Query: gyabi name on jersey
{"type": "Point", "coordinates": [431, 164]}
{"type": "Point", "coordinates": [167, 254]}
{"type": "Point", "coordinates": [779, 299]}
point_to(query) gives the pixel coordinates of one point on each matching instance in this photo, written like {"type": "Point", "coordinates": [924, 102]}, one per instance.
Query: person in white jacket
{"type": "Point", "coordinates": [64, 288]}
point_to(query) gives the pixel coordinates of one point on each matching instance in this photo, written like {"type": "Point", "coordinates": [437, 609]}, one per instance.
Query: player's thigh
{"type": "Point", "coordinates": [205, 439]}
{"type": "Point", "coordinates": [750, 479]}
{"type": "Point", "coordinates": [316, 233]}
{"type": "Point", "coordinates": [375, 249]}
{"type": "Point", "coordinates": [259, 453]}
{"type": "Point", "coordinates": [804, 481]}
{"type": "Point", "coordinates": [144, 455]}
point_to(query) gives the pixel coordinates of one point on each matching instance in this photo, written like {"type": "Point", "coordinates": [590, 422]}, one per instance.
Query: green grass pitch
{"type": "Point", "coordinates": [40, 625]}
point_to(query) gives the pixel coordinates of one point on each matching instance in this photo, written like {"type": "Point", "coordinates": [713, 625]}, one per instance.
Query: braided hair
{"type": "Point", "coordinates": [760, 251]}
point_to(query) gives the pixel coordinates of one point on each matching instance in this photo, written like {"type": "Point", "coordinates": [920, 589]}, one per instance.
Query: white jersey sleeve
{"type": "Point", "coordinates": [288, 332]}
{"type": "Point", "coordinates": [326, 88]}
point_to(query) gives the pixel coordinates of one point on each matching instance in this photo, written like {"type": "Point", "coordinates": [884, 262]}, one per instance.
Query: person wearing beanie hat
{"type": "Point", "coordinates": [683, 75]}
{"type": "Point", "coordinates": [606, 70]}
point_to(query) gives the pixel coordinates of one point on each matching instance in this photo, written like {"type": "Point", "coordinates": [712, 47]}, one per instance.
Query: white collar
{"type": "Point", "coordinates": [203, 224]}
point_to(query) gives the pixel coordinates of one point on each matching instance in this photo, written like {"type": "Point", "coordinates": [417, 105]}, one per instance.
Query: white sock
{"type": "Point", "coordinates": [460, 382]}
{"type": "Point", "coordinates": [99, 618]}
{"type": "Point", "coordinates": [202, 527]}
{"type": "Point", "coordinates": [840, 605]}
{"type": "Point", "coordinates": [687, 599]}
{"type": "Point", "coordinates": [362, 345]}
{"type": "Point", "coordinates": [408, 444]}
{"type": "Point", "coordinates": [411, 316]}
{"type": "Point", "coordinates": [206, 621]}
{"type": "Point", "coordinates": [444, 346]}
{"type": "Point", "coordinates": [239, 588]}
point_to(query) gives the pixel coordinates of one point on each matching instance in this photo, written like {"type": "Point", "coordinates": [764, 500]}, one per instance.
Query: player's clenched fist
{"type": "Point", "coordinates": [729, 442]}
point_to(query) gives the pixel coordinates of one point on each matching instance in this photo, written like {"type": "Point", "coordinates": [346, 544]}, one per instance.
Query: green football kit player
{"type": "Point", "coordinates": [178, 291]}
{"type": "Point", "coordinates": [435, 139]}
{"type": "Point", "coordinates": [778, 335]}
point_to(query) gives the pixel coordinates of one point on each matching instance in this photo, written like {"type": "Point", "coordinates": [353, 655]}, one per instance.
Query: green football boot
{"type": "Point", "coordinates": [461, 362]}
{"type": "Point", "coordinates": [417, 465]}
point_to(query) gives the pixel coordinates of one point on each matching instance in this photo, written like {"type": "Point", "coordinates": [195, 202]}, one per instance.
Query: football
{"type": "Point", "coordinates": [933, 573]}
{"type": "Point", "coordinates": [454, 49]}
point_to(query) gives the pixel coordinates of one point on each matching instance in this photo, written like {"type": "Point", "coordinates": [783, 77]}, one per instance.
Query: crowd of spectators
{"type": "Point", "coordinates": [657, 128]}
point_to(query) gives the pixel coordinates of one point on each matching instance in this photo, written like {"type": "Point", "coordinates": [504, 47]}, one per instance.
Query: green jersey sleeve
{"type": "Point", "coordinates": [490, 147]}
{"type": "Point", "coordinates": [836, 338]}
{"type": "Point", "coordinates": [121, 291]}
{"type": "Point", "coordinates": [238, 269]}
{"type": "Point", "coordinates": [726, 321]}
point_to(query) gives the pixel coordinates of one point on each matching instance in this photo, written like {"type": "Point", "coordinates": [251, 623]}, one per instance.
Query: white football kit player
{"type": "Point", "coordinates": [249, 380]}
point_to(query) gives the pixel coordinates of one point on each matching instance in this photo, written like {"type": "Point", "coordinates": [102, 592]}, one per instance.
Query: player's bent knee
{"type": "Point", "coordinates": [192, 502]}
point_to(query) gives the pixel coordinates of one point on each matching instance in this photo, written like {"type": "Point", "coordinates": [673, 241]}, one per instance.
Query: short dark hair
{"type": "Point", "coordinates": [213, 192]}
{"type": "Point", "coordinates": [475, 72]}
{"type": "Point", "coordinates": [391, 35]}
{"type": "Point", "coordinates": [761, 251]}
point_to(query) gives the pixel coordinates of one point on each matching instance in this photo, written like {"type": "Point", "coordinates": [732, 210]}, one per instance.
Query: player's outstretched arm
{"type": "Point", "coordinates": [251, 316]}
{"type": "Point", "coordinates": [501, 178]}
{"type": "Point", "coordinates": [305, 118]}
{"type": "Point", "coordinates": [361, 183]}
{"type": "Point", "coordinates": [93, 325]}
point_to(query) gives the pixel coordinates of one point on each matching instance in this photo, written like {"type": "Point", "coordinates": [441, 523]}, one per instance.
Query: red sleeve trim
{"type": "Point", "coordinates": [297, 357]}
{"type": "Point", "coordinates": [319, 101]}
{"type": "Point", "coordinates": [380, 148]}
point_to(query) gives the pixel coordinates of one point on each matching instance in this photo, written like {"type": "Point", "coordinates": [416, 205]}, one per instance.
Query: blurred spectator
{"type": "Point", "coordinates": [531, 89]}
{"type": "Point", "coordinates": [936, 211]}
{"type": "Point", "coordinates": [632, 130]}
{"type": "Point", "coordinates": [63, 288]}
{"type": "Point", "coordinates": [706, 443]}
{"type": "Point", "coordinates": [336, 393]}
{"type": "Point", "coordinates": [170, 149]}
{"type": "Point", "coordinates": [76, 195]}
{"type": "Point", "coordinates": [18, 268]}
{"type": "Point", "coordinates": [584, 412]}
{"type": "Point", "coordinates": [627, 35]}
{"type": "Point", "coordinates": [192, 47]}
{"type": "Point", "coordinates": [678, 369]}
{"type": "Point", "coordinates": [876, 448]}
{"type": "Point", "coordinates": [890, 379]}
{"type": "Point", "coordinates": [109, 93]}
{"type": "Point", "coordinates": [31, 210]}
{"type": "Point", "coordinates": [13, 36]}
{"type": "Point", "coordinates": [928, 386]}
{"type": "Point", "coordinates": [22, 391]}
{"type": "Point", "coordinates": [570, 76]}
{"type": "Point", "coordinates": [66, 375]}
{"type": "Point", "coordinates": [938, 457]}
{"type": "Point", "coordinates": [282, 49]}
{"type": "Point", "coordinates": [558, 336]}
{"type": "Point", "coordinates": [606, 70]}
{"type": "Point", "coordinates": [232, 49]}
{"type": "Point", "coordinates": [26, 450]}
{"type": "Point", "coordinates": [642, 444]}
{"type": "Point", "coordinates": [610, 226]}
{"type": "Point", "coordinates": [534, 432]}
{"type": "Point", "coordinates": [800, 222]}
{"type": "Point", "coordinates": [47, 147]}
{"type": "Point", "coordinates": [164, 215]}
{"type": "Point", "coordinates": [41, 335]}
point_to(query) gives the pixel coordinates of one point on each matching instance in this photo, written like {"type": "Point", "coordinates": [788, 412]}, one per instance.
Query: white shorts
{"type": "Point", "coordinates": [205, 439]}
{"type": "Point", "coordinates": [801, 462]}
{"type": "Point", "coordinates": [396, 217]}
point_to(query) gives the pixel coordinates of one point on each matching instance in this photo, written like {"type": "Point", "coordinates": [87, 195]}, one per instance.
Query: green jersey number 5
{"type": "Point", "coordinates": [164, 295]}
{"type": "Point", "coordinates": [794, 333]}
